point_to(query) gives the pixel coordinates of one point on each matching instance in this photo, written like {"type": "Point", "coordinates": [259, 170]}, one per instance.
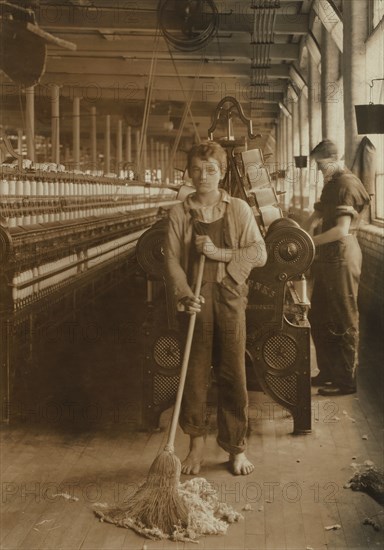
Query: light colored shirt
{"type": "Point", "coordinates": [244, 239]}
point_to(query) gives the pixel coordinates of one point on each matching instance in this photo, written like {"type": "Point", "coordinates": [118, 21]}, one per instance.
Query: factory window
{"type": "Point", "coordinates": [377, 12]}
{"type": "Point", "coordinates": [374, 70]}
{"type": "Point", "coordinates": [378, 141]}
{"type": "Point", "coordinates": [378, 206]}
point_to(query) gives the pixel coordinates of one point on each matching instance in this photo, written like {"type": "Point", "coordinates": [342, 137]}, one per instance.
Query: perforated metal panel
{"type": "Point", "coordinates": [280, 352]}
{"type": "Point", "coordinates": [280, 361]}
{"type": "Point", "coordinates": [167, 352]}
{"type": "Point", "coordinates": [164, 388]}
{"type": "Point", "coordinates": [284, 387]}
{"type": "Point", "coordinates": [162, 349]}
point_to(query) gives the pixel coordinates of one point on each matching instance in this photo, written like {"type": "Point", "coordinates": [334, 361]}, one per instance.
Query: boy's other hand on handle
{"type": "Point", "coordinates": [204, 245]}
{"type": "Point", "coordinates": [192, 304]}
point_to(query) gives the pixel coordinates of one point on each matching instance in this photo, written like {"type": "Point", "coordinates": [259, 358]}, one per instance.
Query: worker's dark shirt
{"type": "Point", "coordinates": [343, 194]}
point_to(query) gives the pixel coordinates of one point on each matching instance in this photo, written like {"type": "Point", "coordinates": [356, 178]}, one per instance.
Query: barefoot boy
{"type": "Point", "coordinates": [223, 228]}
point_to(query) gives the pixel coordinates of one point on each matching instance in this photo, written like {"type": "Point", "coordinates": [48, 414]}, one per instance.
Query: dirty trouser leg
{"type": "Point", "coordinates": [334, 317]}
{"type": "Point", "coordinates": [232, 412]}
{"type": "Point", "coordinates": [193, 416]}
{"type": "Point", "coordinates": [343, 320]}
{"type": "Point", "coordinates": [317, 317]}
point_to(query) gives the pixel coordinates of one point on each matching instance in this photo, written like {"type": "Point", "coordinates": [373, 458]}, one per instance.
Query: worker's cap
{"type": "Point", "coordinates": [326, 149]}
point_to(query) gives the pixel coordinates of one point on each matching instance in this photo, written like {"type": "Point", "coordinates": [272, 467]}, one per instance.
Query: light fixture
{"type": "Point", "coordinates": [370, 118]}
{"type": "Point", "coordinates": [168, 124]}
{"type": "Point", "coordinates": [301, 161]}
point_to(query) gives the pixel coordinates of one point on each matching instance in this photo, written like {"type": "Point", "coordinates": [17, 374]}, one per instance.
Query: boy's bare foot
{"type": "Point", "coordinates": [240, 464]}
{"type": "Point", "coordinates": [194, 460]}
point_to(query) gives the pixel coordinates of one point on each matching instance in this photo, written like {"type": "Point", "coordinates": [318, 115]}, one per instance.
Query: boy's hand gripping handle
{"type": "Point", "coordinates": [184, 366]}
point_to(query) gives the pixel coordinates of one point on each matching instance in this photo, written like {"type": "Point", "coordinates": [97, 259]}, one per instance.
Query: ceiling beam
{"type": "Point", "coordinates": [122, 95]}
{"type": "Point", "coordinates": [233, 48]}
{"type": "Point", "coordinates": [164, 69]}
{"type": "Point", "coordinates": [60, 18]}
{"type": "Point", "coordinates": [155, 125]}
{"type": "Point", "coordinates": [211, 90]}
{"type": "Point", "coordinates": [330, 18]}
{"type": "Point", "coordinates": [122, 100]}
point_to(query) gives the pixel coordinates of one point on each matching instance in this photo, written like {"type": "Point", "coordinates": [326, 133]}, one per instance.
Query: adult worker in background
{"type": "Point", "coordinates": [334, 315]}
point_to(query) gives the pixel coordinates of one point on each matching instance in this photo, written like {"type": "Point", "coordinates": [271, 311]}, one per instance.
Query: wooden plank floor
{"type": "Point", "coordinates": [295, 493]}
{"type": "Point", "coordinates": [55, 469]}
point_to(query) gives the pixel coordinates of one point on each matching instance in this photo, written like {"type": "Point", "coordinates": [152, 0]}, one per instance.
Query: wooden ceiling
{"type": "Point", "coordinates": [250, 57]}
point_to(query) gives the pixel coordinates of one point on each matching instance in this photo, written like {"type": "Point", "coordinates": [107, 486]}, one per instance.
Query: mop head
{"type": "Point", "coordinates": [164, 508]}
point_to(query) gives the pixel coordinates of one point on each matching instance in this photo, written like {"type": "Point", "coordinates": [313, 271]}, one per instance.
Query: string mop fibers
{"type": "Point", "coordinates": [157, 503]}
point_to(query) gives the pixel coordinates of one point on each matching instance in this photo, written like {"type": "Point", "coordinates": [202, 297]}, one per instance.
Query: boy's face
{"type": "Point", "coordinates": [205, 174]}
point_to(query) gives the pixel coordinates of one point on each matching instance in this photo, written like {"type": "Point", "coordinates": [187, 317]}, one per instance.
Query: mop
{"type": "Point", "coordinates": [162, 507]}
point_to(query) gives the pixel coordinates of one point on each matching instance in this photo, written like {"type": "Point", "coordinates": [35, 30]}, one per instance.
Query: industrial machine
{"type": "Point", "coordinates": [278, 332]}
{"type": "Point", "coordinates": [65, 239]}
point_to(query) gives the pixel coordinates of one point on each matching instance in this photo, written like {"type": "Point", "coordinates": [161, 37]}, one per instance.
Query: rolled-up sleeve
{"type": "Point", "coordinates": [352, 197]}
{"type": "Point", "coordinates": [251, 252]}
{"type": "Point", "coordinates": [176, 277]}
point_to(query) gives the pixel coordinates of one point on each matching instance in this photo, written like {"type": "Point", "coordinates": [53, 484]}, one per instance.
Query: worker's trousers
{"type": "Point", "coordinates": [219, 341]}
{"type": "Point", "coordinates": [334, 315]}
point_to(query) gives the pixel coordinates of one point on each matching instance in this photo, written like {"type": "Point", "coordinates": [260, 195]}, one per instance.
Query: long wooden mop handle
{"type": "Point", "coordinates": [184, 366]}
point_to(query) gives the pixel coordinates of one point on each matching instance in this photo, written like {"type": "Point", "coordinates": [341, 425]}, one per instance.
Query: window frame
{"type": "Point", "coordinates": [371, 14]}
{"type": "Point", "coordinates": [379, 180]}
{"type": "Point", "coordinates": [377, 139]}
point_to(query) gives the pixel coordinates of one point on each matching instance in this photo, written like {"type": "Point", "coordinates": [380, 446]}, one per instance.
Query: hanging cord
{"type": "Point", "coordinates": [148, 101]}
{"type": "Point", "coordinates": [219, 49]}
{"type": "Point", "coordinates": [184, 117]}
{"type": "Point", "coordinates": [22, 111]}
{"type": "Point", "coordinates": [184, 93]}
{"type": "Point", "coordinates": [147, 104]}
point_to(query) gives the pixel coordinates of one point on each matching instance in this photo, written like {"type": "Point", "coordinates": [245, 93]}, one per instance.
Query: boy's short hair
{"type": "Point", "coordinates": [326, 149]}
{"type": "Point", "coordinates": [205, 150]}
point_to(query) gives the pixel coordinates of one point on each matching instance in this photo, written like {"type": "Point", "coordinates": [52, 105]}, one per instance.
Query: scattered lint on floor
{"type": "Point", "coordinates": [66, 496]}
{"type": "Point", "coordinates": [44, 521]}
{"type": "Point", "coordinates": [346, 414]}
{"type": "Point", "coordinates": [206, 514]}
{"type": "Point", "coordinates": [335, 527]}
{"type": "Point", "coordinates": [370, 521]}
{"type": "Point", "coordinates": [370, 480]}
